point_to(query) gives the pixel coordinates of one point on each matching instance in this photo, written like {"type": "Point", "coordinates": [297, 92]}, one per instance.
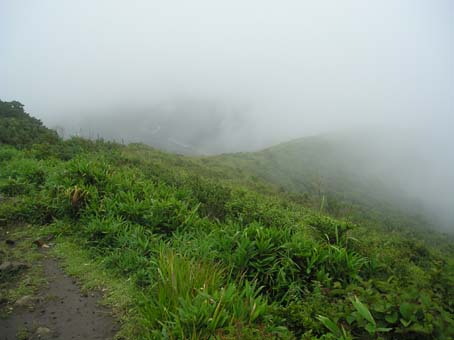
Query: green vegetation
{"type": "Point", "coordinates": [209, 249]}
{"type": "Point", "coordinates": [20, 129]}
{"type": "Point", "coordinates": [334, 175]}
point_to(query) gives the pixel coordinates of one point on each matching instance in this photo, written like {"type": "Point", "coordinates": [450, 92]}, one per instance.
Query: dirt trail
{"type": "Point", "coordinates": [59, 311]}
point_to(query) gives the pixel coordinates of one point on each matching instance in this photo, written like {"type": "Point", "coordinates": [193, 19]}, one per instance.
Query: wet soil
{"type": "Point", "coordinates": [59, 311]}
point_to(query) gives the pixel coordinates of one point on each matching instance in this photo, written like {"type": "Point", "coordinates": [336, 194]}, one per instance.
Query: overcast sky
{"type": "Point", "coordinates": [296, 67]}
{"type": "Point", "coordinates": [240, 75]}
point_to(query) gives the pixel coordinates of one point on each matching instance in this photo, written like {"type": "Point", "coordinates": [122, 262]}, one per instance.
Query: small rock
{"type": "Point", "coordinates": [39, 242]}
{"type": "Point", "coordinates": [24, 301]}
{"type": "Point", "coordinates": [43, 333]}
{"type": "Point", "coordinates": [12, 266]}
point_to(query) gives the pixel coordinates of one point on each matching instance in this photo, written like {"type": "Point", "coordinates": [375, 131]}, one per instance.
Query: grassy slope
{"type": "Point", "coordinates": [207, 247]}
{"type": "Point", "coordinates": [327, 173]}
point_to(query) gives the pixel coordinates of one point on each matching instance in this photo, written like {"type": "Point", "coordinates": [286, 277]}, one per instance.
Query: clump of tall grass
{"type": "Point", "coordinates": [191, 300]}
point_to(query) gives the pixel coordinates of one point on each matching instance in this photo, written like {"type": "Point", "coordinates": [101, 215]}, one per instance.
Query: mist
{"type": "Point", "coordinates": [205, 77]}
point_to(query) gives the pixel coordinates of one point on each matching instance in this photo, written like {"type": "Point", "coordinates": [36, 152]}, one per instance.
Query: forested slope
{"type": "Point", "coordinates": [20, 129]}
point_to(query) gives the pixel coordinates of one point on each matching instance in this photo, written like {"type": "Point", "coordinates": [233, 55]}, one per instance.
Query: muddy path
{"type": "Point", "coordinates": [58, 310]}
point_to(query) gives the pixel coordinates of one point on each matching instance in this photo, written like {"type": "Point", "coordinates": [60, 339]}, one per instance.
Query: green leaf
{"type": "Point", "coordinates": [370, 328]}
{"type": "Point", "coordinates": [405, 322]}
{"type": "Point", "coordinates": [392, 318]}
{"type": "Point", "coordinates": [383, 329]}
{"type": "Point", "coordinates": [363, 310]}
{"type": "Point", "coordinates": [328, 323]}
{"type": "Point", "coordinates": [379, 307]}
{"type": "Point", "coordinates": [407, 310]}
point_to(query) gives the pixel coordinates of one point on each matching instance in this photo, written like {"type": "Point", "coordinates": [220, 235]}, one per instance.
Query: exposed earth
{"type": "Point", "coordinates": [57, 310]}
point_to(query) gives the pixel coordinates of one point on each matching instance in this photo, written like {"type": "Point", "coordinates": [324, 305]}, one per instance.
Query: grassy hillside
{"type": "Point", "coordinates": [334, 175]}
{"type": "Point", "coordinates": [213, 250]}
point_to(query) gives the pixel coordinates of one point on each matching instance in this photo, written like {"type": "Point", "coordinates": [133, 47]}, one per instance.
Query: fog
{"type": "Point", "coordinates": [208, 77]}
